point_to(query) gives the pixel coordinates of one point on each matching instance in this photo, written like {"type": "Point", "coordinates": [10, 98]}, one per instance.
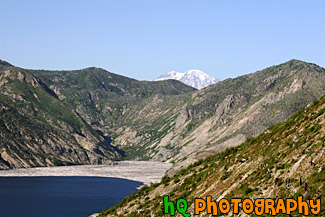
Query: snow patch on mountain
{"type": "Point", "coordinates": [195, 78]}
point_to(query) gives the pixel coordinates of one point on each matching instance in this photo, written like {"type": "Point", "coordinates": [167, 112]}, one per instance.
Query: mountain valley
{"type": "Point", "coordinates": [113, 117]}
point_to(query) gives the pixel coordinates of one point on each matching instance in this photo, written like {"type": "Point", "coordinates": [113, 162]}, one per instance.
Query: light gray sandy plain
{"type": "Point", "coordinates": [142, 171]}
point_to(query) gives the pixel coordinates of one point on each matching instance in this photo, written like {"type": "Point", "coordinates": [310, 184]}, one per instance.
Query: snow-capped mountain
{"type": "Point", "coordinates": [195, 78]}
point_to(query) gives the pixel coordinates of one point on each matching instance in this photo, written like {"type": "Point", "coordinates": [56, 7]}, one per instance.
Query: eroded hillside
{"type": "Point", "coordinates": [168, 121]}
{"type": "Point", "coordinates": [70, 117]}
{"type": "Point", "coordinates": [37, 129]}
{"type": "Point", "coordinates": [285, 161]}
{"type": "Point", "coordinates": [133, 113]}
{"type": "Point", "coordinates": [162, 121]}
{"type": "Point", "coordinates": [223, 115]}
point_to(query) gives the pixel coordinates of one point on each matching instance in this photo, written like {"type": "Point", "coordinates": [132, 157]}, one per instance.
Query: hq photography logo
{"type": "Point", "coordinates": [258, 206]}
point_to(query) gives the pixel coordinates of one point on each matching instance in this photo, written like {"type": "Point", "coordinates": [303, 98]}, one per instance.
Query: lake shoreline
{"type": "Point", "coordinates": [145, 172]}
{"type": "Point", "coordinates": [58, 196]}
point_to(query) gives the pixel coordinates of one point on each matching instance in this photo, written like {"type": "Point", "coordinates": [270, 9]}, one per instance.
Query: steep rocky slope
{"type": "Point", "coordinates": [164, 120]}
{"type": "Point", "coordinates": [106, 99]}
{"type": "Point", "coordinates": [285, 161]}
{"type": "Point", "coordinates": [37, 129]}
{"type": "Point", "coordinates": [120, 107]}
{"type": "Point", "coordinates": [225, 114]}
{"type": "Point", "coordinates": [169, 121]}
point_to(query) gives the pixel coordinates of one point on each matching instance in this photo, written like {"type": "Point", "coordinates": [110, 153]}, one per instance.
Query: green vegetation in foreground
{"type": "Point", "coordinates": [275, 164]}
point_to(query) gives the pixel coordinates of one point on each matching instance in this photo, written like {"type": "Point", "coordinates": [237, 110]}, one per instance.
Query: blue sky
{"type": "Point", "coordinates": [143, 39]}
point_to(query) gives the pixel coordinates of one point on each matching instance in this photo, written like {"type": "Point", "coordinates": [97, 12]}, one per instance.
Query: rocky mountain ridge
{"type": "Point", "coordinates": [224, 114]}
{"type": "Point", "coordinates": [41, 126]}
{"type": "Point", "coordinates": [38, 130]}
{"type": "Point", "coordinates": [163, 120]}
{"type": "Point", "coordinates": [284, 161]}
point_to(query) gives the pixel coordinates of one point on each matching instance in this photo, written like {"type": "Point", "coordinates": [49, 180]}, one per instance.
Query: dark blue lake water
{"type": "Point", "coordinates": [60, 196]}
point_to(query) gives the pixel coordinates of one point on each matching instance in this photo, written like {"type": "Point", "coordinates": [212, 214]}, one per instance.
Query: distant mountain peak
{"type": "Point", "coordinates": [194, 77]}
